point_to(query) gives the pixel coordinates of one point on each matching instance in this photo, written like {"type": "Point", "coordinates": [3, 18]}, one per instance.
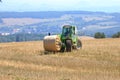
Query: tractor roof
{"type": "Point", "coordinates": [68, 26]}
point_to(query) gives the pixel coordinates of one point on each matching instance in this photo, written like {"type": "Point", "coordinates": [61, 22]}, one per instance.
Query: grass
{"type": "Point", "coordinates": [99, 59]}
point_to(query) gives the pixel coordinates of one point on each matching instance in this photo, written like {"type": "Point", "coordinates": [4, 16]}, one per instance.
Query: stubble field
{"type": "Point", "coordinates": [99, 59]}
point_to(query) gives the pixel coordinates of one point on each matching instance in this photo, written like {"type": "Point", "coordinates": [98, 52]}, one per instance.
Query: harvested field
{"type": "Point", "coordinates": [99, 59]}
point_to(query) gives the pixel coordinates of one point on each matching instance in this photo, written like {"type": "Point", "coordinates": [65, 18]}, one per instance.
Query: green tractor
{"type": "Point", "coordinates": [70, 39]}
{"type": "Point", "coordinates": [66, 41]}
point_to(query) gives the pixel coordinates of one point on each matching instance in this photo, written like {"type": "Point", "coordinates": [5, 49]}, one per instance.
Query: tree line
{"type": "Point", "coordinates": [102, 35]}
{"type": "Point", "coordinates": [35, 37]}
{"type": "Point", "coordinates": [21, 37]}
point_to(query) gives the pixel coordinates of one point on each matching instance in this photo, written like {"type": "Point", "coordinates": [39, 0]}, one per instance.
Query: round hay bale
{"type": "Point", "coordinates": [52, 43]}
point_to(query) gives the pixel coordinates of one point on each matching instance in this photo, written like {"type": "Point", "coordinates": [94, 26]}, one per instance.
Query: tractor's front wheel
{"type": "Point", "coordinates": [62, 49]}
{"type": "Point", "coordinates": [68, 45]}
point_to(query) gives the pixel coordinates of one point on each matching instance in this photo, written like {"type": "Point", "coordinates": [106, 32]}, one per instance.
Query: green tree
{"type": "Point", "coordinates": [117, 35]}
{"type": "Point", "coordinates": [99, 35]}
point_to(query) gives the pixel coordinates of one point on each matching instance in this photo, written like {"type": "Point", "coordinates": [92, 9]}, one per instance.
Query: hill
{"type": "Point", "coordinates": [99, 59]}
{"type": "Point", "coordinates": [51, 21]}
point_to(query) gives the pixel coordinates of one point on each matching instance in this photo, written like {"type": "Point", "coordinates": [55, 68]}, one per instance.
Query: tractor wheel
{"type": "Point", "coordinates": [68, 45]}
{"type": "Point", "coordinates": [62, 49]}
{"type": "Point", "coordinates": [79, 44]}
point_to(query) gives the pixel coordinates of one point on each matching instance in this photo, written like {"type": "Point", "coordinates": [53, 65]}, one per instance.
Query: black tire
{"type": "Point", "coordinates": [62, 49]}
{"type": "Point", "coordinates": [68, 45]}
{"type": "Point", "coordinates": [79, 44]}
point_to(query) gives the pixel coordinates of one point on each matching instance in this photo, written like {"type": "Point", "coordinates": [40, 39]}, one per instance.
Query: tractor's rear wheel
{"type": "Point", "coordinates": [68, 45]}
{"type": "Point", "coordinates": [79, 44]}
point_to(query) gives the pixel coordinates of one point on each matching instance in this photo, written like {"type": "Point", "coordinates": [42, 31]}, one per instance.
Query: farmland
{"type": "Point", "coordinates": [99, 59]}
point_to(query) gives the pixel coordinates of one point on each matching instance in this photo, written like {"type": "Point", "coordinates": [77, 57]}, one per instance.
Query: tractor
{"type": "Point", "coordinates": [66, 41]}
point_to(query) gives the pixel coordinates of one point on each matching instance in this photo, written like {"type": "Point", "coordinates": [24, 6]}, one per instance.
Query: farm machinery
{"type": "Point", "coordinates": [67, 41]}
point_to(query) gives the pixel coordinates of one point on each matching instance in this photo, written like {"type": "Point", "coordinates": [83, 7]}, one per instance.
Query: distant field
{"type": "Point", "coordinates": [99, 59]}
{"type": "Point", "coordinates": [26, 21]}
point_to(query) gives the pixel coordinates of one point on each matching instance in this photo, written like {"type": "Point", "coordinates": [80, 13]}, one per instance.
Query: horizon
{"type": "Point", "coordinates": [59, 11]}
{"type": "Point", "coordinates": [108, 6]}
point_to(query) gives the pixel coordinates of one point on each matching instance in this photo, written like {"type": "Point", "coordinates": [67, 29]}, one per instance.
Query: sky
{"type": "Point", "coordinates": [60, 5]}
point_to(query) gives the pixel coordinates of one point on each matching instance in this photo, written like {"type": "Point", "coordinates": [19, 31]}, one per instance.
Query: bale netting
{"type": "Point", "coordinates": [52, 43]}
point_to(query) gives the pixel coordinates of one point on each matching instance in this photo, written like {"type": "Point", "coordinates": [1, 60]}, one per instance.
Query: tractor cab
{"type": "Point", "coordinates": [68, 33]}
{"type": "Point", "coordinates": [68, 30]}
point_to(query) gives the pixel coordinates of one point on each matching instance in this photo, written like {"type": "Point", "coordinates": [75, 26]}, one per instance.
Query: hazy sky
{"type": "Point", "coordinates": [60, 5]}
